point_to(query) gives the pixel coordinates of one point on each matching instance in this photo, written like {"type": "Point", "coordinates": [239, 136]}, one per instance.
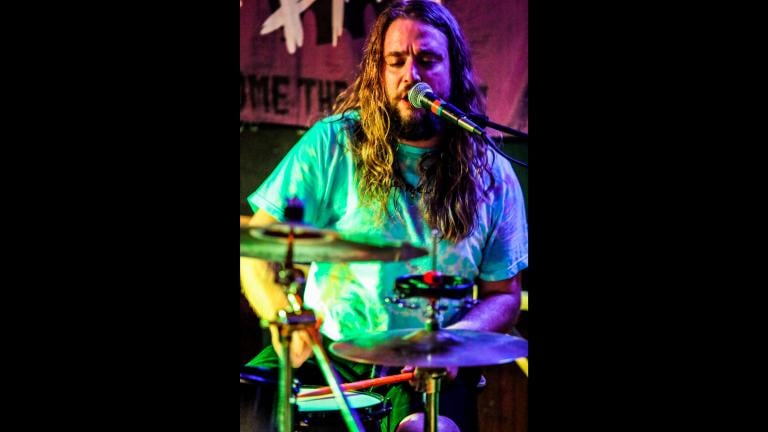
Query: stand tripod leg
{"type": "Point", "coordinates": [285, 381]}
{"type": "Point", "coordinates": [350, 417]}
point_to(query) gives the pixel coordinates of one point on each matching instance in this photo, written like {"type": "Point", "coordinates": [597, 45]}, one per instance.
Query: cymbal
{"type": "Point", "coordinates": [433, 349]}
{"type": "Point", "coordinates": [312, 244]}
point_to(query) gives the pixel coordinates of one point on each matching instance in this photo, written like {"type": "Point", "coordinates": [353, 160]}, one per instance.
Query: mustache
{"type": "Point", "coordinates": [415, 126]}
{"type": "Point", "coordinates": [404, 93]}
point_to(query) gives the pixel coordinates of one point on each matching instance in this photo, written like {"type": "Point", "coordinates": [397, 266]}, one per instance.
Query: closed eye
{"type": "Point", "coordinates": [428, 58]}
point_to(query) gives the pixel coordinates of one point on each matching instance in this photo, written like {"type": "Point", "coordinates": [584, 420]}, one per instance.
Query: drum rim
{"type": "Point", "coordinates": [379, 400]}
{"type": "Point", "coordinates": [257, 375]}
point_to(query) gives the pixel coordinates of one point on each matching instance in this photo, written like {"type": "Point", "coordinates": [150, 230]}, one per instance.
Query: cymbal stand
{"type": "Point", "coordinates": [434, 376]}
{"type": "Point", "coordinates": [295, 317]}
{"type": "Point", "coordinates": [432, 324]}
{"type": "Point", "coordinates": [432, 394]}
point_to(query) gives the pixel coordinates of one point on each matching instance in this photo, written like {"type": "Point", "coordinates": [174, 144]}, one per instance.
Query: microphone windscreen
{"type": "Point", "coordinates": [417, 92]}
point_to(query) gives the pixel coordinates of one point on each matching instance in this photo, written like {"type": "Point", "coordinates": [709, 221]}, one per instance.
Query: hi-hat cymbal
{"type": "Point", "coordinates": [312, 244]}
{"type": "Point", "coordinates": [432, 349]}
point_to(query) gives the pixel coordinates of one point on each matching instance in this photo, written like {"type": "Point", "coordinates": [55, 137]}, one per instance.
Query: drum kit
{"type": "Point", "coordinates": [431, 348]}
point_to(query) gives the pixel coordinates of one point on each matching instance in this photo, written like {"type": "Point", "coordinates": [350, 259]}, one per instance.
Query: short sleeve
{"type": "Point", "coordinates": [299, 174]}
{"type": "Point", "coordinates": [506, 249]}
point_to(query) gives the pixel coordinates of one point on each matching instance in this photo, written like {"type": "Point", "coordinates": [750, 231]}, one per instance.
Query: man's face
{"type": "Point", "coordinates": [414, 52]}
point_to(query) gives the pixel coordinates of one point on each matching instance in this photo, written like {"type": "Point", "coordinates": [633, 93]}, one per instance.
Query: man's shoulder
{"type": "Point", "coordinates": [332, 128]}
{"type": "Point", "coordinates": [339, 120]}
{"type": "Point", "coordinates": [503, 171]}
{"type": "Point", "coordinates": [499, 164]}
{"type": "Point", "coordinates": [328, 137]}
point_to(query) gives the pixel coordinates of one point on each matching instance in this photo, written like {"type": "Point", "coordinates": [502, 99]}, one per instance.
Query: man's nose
{"type": "Point", "coordinates": [412, 71]}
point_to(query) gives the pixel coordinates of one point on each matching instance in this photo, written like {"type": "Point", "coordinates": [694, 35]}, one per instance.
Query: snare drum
{"type": "Point", "coordinates": [258, 389]}
{"type": "Point", "coordinates": [322, 413]}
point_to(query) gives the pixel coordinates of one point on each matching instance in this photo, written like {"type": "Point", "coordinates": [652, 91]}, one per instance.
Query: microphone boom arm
{"type": "Point", "coordinates": [421, 96]}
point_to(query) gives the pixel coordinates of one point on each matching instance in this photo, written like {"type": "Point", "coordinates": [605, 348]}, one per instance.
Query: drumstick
{"type": "Point", "coordinates": [392, 379]}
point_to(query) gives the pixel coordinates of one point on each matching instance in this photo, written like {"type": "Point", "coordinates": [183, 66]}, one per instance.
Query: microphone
{"type": "Point", "coordinates": [421, 96]}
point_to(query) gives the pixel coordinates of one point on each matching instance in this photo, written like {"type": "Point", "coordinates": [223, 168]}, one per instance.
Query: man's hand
{"type": "Point", "coordinates": [300, 349]}
{"type": "Point", "coordinates": [421, 375]}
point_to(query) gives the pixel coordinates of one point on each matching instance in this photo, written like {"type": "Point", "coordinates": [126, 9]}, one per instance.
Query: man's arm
{"type": "Point", "coordinates": [257, 278]}
{"type": "Point", "coordinates": [267, 297]}
{"type": "Point", "coordinates": [498, 309]}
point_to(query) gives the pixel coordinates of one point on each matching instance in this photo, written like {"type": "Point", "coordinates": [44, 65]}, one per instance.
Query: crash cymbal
{"type": "Point", "coordinates": [312, 244]}
{"type": "Point", "coordinates": [433, 349]}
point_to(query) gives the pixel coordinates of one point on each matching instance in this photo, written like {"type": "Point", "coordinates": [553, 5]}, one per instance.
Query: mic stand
{"type": "Point", "coordinates": [482, 121]}
{"type": "Point", "coordinates": [504, 155]}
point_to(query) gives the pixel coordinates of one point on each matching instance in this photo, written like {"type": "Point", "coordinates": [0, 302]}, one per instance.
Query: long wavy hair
{"type": "Point", "coordinates": [451, 178]}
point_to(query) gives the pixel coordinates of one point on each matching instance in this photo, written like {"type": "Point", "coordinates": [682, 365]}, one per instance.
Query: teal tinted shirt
{"type": "Point", "coordinates": [350, 296]}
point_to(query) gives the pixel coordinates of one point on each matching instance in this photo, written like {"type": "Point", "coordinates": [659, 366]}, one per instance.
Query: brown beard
{"type": "Point", "coordinates": [415, 128]}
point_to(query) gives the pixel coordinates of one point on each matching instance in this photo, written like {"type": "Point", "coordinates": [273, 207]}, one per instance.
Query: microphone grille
{"type": "Point", "coordinates": [417, 92]}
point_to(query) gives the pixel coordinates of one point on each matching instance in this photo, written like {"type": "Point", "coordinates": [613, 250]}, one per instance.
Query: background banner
{"type": "Point", "coordinates": [296, 56]}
